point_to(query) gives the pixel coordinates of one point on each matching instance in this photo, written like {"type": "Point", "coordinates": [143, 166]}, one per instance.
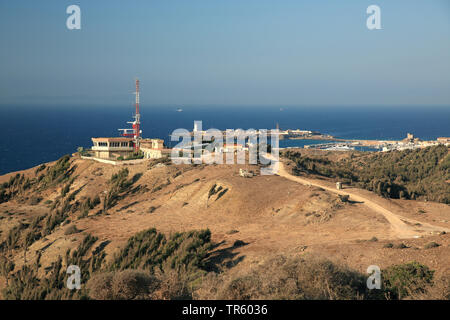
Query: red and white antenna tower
{"type": "Point", "coordinates": [136, 131]}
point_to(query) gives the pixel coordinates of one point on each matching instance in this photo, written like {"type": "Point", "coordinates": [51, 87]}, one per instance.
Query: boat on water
{"type": "Point", "coordinates": [179, 110]}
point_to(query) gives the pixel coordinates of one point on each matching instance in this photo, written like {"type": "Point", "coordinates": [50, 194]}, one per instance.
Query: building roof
{"type": "Point", "coordinates": [150, 140]}
{"type": "Point", "coordinates": [113, 139]}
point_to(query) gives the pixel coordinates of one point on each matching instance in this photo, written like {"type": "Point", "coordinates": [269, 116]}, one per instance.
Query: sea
{"type": "Point", "coordinates": [31, 135]}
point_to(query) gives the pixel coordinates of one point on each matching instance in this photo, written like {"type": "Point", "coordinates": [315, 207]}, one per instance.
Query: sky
{"type": "Point", "coordinates": [225, 52]}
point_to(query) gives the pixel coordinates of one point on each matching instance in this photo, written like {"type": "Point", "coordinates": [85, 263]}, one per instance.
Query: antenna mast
{"type": "Point", "coordinates": [136, 131]}
{"type": "Point", "coordinates": [137, 124]}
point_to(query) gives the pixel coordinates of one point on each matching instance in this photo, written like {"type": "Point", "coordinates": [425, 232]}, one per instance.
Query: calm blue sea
{"type": "Point", "coordinates": [33, 135]}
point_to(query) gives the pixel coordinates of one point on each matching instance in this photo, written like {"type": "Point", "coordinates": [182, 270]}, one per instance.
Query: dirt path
{"type": "Point", "coordinates": [403, 227]}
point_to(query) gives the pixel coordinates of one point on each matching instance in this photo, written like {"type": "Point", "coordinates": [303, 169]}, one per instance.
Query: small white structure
{"type": "Point", "coordinates": [245, 173]}
{"type": "Point", "coordinates": [339, 185]}
{"type": "Point", "coordinates": [229, 148]}
{"type": "Point", "coordinates": [195, 126]}
{"type": "Point", "coordinates": [443, 140]}
{"type": "Point", "coordinates": [153, 148]}
{"type": "Point", "coordinates": [298, 132]}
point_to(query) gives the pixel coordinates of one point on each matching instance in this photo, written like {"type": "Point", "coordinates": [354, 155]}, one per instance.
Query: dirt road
{"type": "Point", "coordinates": [403, 227]}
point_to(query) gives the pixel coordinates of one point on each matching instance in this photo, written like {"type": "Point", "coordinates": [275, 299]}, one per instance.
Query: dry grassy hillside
{"type": "Point", "coordinates": [250, 219]}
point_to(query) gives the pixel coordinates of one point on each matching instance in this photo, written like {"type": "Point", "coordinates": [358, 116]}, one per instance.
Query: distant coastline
{"type": "Point", "coordinates": [47, 133]}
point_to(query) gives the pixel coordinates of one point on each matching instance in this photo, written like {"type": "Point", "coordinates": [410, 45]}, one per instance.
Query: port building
{"type": "Point", "coordinates": [153, 148]}
{"type": "Point", "coordinates": [108, 148]}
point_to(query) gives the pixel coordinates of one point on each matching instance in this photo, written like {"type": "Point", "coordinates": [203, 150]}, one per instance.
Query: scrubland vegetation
{"type": "Point", "coordinates": [410, 174]}
{"type": "Point", "coordinates": [44, 178]}
{"type": "Point", "coordinates": [154, 266]}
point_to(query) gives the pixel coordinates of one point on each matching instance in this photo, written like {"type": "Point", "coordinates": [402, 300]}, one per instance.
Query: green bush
{"type": "Point", "coordinates": [400, 281]}
{"type": "Point", "coordinates": [135, 155]}
{"type": "Point", "coordinates": [40, 168]}
{"type": "Point", "coordinates": [150, 249]}
{"type": "Point", "coordinates": [58, 173]}
{"type": "Point", "coordinates": [119, 185]}
{"type": "Point", "coordinates": [26, 285]}
{"type": "Point", "coordinates": [65, 190]}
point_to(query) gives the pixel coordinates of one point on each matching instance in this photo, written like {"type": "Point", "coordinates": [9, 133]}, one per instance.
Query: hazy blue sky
{"type": "Point", "coordinates": [226, 52]}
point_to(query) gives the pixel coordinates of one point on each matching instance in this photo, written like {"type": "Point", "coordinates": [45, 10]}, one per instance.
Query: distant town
{"type": "Point", "coordinates": [132, 146]}
{"type": "Point", "coordinates": [409, 142]}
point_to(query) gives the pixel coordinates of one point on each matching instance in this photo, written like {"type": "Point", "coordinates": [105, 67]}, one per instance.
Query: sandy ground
{"type": "Point", "coordinates": [403, 227]}
{"type": "Point", "coordinates": [279, 214]}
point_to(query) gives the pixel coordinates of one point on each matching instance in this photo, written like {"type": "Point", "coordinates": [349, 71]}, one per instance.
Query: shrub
{"type": "Point", "coordinates": [287, 278]}
{"type": "Point", "coordinates": [83, 214]}
{"type": "Point", "coordinates": [137, 284]}
{"type": "Point", "coordinates": [440, 290]}
{"type": "Point", "coordinates": [152, 209]}
{"type": "Point", "coordinates": [122, 285]}
{"type": "Point", "coordinates": [135, 155]}
{"type": "Point", "coordinates": [6, 266]}
{"type": "Point", "coordinates": [95, 202]}
{"type": "Point", "coordinates": [238, 243]}
{"type": "Point", "coordinates": [99, 286]}
{"type": "Point", "coordinates": [174, 285]}
{"type": "Point", "coordinates": [35, 200]}
{"type": "Point", "coordinates": [25, 283]}
{"type": "Point", "coordinates": [119, 185]}
{"type": "Point", "coordinates": [65, 190]}
{"type": "Point", "coordinates": [55, 219]}
{"type": "Point", "coordinates": [72, 229]}
{"type": "Point", "coordinates": [400, 281]}
{"type": "Point", "coordinates": [40, 168]}
{"type": "Point", "coordinates": [132, 284]}
{"type": "Point", "coordinates": [431, 245]}
{"type": "Point", "coordinates": [57, 173]}
{"type": "Point", "coordinates": [150, 249]}
{"type": "Point", "coordinates": [400, 246]}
